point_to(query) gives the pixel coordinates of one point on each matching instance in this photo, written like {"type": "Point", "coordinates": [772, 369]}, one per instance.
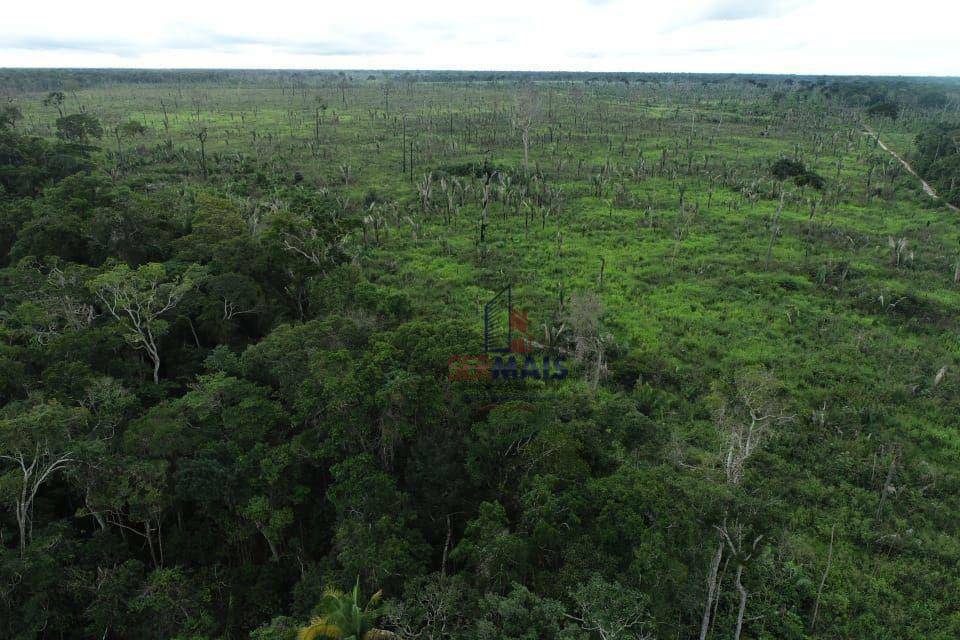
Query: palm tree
{"type": "Point", "coordinates": [342, 618]}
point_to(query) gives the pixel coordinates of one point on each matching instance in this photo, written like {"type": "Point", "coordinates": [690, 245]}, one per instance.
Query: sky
{"type": "Point", "coordinates": [838, 37]}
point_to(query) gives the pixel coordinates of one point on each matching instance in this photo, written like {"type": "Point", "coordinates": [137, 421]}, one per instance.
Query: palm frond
{"type": "Point", "coordinates": [319, 629]}
{"type": "Point", "coordinates": [380, 634]}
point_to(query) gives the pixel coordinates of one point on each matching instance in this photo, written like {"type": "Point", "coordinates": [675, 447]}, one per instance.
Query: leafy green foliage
{"type": "Point", "coordinates": [785, 168]}
{"type": "Point", "coordinates": [884, 109]}
{"type": "Point", "coordinates": [225, 359]}
{"type": "Point", "coordinates": [938, 159]}
{"type": "Point", "coordinates": [79, 128]}
{"type": "Point", "coordinates": [341, 616]}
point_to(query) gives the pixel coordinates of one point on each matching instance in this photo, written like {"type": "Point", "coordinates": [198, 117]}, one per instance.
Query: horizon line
{"type": "Point", "coordinates": [488, 70]}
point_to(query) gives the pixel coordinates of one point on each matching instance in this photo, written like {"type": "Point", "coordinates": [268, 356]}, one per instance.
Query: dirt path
{"type": "Point", "coordinates": [926, 187]}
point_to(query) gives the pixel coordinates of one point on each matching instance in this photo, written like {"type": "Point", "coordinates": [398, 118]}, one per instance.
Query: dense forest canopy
{"type": "Point", "coordinates": [230, 303]}
{"type": "Point", "coordinates": [938, 158]}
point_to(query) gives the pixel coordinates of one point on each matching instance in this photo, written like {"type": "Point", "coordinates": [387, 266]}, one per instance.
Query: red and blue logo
{"type": "Point", "coordinates": [509, 348]}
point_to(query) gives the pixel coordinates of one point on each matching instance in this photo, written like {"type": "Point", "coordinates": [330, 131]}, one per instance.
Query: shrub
{"type": "Point", "coordinates": [784, 168]}
{"type": "Point", "coordinates": [884, 109]}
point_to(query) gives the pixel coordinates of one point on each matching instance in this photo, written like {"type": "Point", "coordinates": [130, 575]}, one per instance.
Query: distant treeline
{"type": "Point", "coordinates": [886, 97]}
{"type": "Point", "coordinates": [854, 89]}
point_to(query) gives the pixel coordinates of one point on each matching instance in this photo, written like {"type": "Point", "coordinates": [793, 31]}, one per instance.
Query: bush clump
{"type": "Point", "coordinates": [802, 176]}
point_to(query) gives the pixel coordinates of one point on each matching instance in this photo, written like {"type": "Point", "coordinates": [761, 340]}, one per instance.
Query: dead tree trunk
{"type": "Point", "coordinates": [711, 591]}
{"type": "Point", "coordinates": [888, 483]}
{"type": "Point", "coordinates": [773, 231]}
{"type": "Point", "coordinates": [202, 137]}
{"type": "Point", "coordinates": [823, 581]}
{"type": "Point", "coordinates": [743, 602]}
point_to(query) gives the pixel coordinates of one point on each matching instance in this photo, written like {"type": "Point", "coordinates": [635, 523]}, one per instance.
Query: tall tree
{"type": "Point", "coordinates": [36, 443]}
{"type": "Point", "coordinates": [139, 298]}
{"type": "Point", "coordinates": [744, 422]}
{"type": "Point", "coordinates": [526, 112]}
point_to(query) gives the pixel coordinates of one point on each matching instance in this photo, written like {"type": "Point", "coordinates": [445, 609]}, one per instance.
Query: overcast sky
{"type": "Point", "coordinates": [919, 37]}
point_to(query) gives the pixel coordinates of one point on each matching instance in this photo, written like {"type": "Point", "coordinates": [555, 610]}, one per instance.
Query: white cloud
{"type": "Point", "coordinates": [772, 36]}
